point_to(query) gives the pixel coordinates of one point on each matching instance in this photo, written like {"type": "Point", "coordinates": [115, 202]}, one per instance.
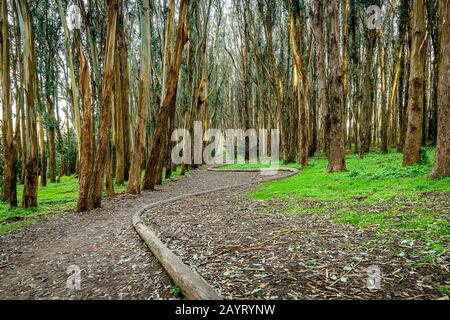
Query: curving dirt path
{"type": "Point", "coordinates": [114, 262]}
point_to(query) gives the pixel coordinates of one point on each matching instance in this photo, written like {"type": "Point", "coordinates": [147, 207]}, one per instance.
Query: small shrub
{"type": "Point", "coordinates": [445, 290]}
{"type": "Point", "coordinates": [176, 291]}
{"type": "Point", "coordinates": [424, 158]}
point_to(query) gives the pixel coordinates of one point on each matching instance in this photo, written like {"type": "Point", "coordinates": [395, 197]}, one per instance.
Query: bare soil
{"type": "Point", "coordinates": [114, 262]}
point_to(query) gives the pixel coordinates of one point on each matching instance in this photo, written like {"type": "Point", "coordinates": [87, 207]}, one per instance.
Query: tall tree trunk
{"type": "Point", "coordinates": [442, 162]}
{"type": "Point", "coordinates": [117, 115]}
{"type": "Point", "coordinates": [246, 79]}
{"type": "Point", "coordinates": [433, 29]}
{"type": "Point", "coordinates": [109, 175]}
{"type": "Point", "coordinates": [169, 146]}
{"type": "Point", "coordinates": [96, 186]}
{"type": "Point", "coordinates": [366, 110]}
{"type": "Point", "coordinates": [346, 79]}
{"type": "Point", "coordinates": [403, 96]}
{"type": "Point", "coordinates": [9, 144]}
{"type": "Point", "coordinates": [51, 139]}
{"type": "Point", "coordinates": [22, 124]}
{"type": "Point", "coordinates": [413, 139]}
{"type": "Point", "coordinates": [50, 84]}
{"type": "Point", "coordinates": [5, 82]}
{"type": "Point", "coordinates": [168, 105]}
{"type": "Point", "coordinates": [42, 150]}
{"type": "Point", "coordinates": [20, 97]}
{"type": "Point", "coordinates": [384, 113]}
{"type": "Point", "coordinates": [30, 83]}
{"type": "Point", "coordinates": [336, 157]}
{"type": "Point", "coordinates": [73, 83]}
{"type": "Point", "coordinates": [86, 156]}
{"type": "Point", "coordinates": [395, 83]}
{"type": "Point", "coordinates": [134, 180]}
{"type": "Point", "coordinates": [125, 95]}
{"type": "Point", "coordinates": [321, 74]}
{"type": "Point", "coordinates": [296, 43]}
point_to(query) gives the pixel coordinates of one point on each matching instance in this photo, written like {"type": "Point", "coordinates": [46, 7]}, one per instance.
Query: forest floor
{"type": "Point", "coordinates": [312, 236]}
{"type": "Point", "coordinates": [316, 236]}
{"type": "Point", "coordinates": [114, 261]}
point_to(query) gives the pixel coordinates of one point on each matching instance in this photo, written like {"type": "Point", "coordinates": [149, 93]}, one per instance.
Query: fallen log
{"type": "Point", "coordinates": [192, 285]}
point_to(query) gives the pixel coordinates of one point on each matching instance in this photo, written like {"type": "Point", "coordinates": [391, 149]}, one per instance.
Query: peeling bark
{"type": "Point", "coordinates": [442, 162]}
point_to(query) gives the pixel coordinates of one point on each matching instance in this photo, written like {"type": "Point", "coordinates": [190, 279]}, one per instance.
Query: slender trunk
{"type": "Point", "coordinates": [336, 157]}
{"type": "Point", "coordinates": [42, 150]}
{"type": "Point", "coordinates": [296, 44]}
{"type": "Point", "coordinates": [86, 156]}
{"type": "Point", "coordinates": [59, 138]}
{"type": "Point", "coordinates": [403, 97]}
{"type": "Point", "coordinates": [51, 140]}
{"type": "Point", "coordinates": [168, 105]}
{"type": "Point", "coordinates": [169, 147]}
{"type": "Point", "coordinates": [109, 175]}
{"type": "Point", "coordinates": [22, 125]}
{"type": "Point", "coordinates": [413, 139]}
{"type": "Point", "coordinates": [50, 83]}
{"type": "Point", "coordinates": [346, 79]}
{"type": "Point", "coordinates": [395, 83]}
{"type": "Point", "coordinates": [321, 74]}
{"type": "Point", "coordinates": [246, 82]}
{"type": "Point", "coordinates": [30, 83]}
{"type": "Point", "coordinates": [134, 181]}
{"type": "Point", "coordinates": [73, 83]}
{"type": "Point", "coordinates": [160, 166]}
{"type": "Point", "coordinates": [366, 110]}
{"type": "Point", "coordinates": [9, 145]}
{"type": "Point", "coordinates": [442, 162]}
{"type": "Point", "coordinates": [384, 113]}
{"type": "Point", "coordinates": [125, 95]}
{"type": "Point", "coordinates": [96, 186]}
{"type": "Point", "coordinates": [118, 117]}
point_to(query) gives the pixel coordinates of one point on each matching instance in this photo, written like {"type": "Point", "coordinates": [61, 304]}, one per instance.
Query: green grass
{"type": "Point", "coordinates": [55, 197]}
{"type": "Point", "coordinates": [374, 192]}
{"type": "Point", "coordinates": [445, 290]}
{"type": "Point", "coordinates": [375, 178]}
{"type": "Point", "coordinates": [177, 292]}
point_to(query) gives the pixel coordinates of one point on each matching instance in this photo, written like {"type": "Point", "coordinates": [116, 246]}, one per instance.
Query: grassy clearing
{"type": "Point", "coordinates": [375, 192]}
{"type": "Point", "coordinates": [55, 197]}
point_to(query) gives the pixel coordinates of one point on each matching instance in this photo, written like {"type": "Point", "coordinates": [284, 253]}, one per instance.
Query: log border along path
{"type": "Point", "coordinates": [192, 285]}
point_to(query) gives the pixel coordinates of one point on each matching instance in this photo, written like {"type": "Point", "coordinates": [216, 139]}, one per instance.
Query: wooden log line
{"type": "Point", "coordinates": [192, 284]}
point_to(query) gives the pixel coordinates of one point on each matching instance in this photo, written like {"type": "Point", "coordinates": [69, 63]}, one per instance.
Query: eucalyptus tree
{"type": "Point", "coordinates": [29, 198]}
{"type": "Point", "coordinates": [442, 163]}
{"type": "Point", "coordinates": [413, 140]}
{"type": "Point", "coordinates": [102, 150]}
{"type": "Point", "coordinates": [134, 181]}
{"type": "Point", "coordinates": [9, 142]}
{"type": "Point", "coordinates": [152, 172]}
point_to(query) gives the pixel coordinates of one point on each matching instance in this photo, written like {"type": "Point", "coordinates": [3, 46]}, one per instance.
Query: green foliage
{"type": "Point", "coordinates": [376, 178]}
{"type": "Point", "coordinates": [176, 291]}
{"type": "Point", "coordinates": [55, 197]}
{"type": "Point", "coordinates": [395, 173]}
{"type": "Point", "coordinates": [445, 290]}
{"type": "Point", "coordinates": [424, 157]}
{"type": "Point", "coordinates": [70, 149]}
